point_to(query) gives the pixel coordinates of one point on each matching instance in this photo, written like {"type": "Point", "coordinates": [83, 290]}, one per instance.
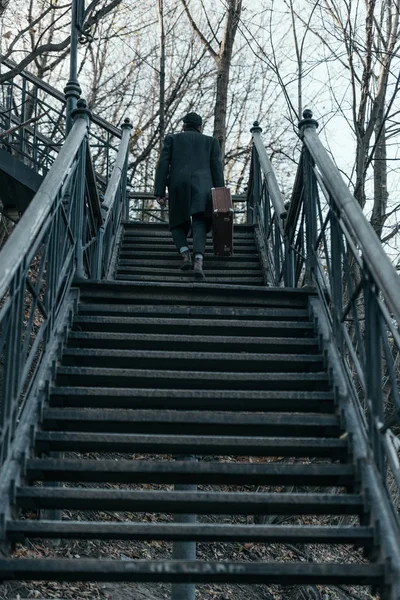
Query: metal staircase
{"type": "Point", "coordinates": [253, 400]}
{"type": "Point", "coordinates": [216, 372]}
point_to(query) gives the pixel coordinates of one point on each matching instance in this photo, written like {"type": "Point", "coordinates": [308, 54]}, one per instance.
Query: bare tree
{"type": "Point", "coordinates": [222, 57]}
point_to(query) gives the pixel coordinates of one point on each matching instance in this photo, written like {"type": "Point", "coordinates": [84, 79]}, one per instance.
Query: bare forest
{"type": "Point", "coordinates": [234, 62]}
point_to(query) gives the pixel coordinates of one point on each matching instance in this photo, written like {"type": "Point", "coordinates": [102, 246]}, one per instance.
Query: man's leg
{"type": "Point", "coordinates": [199, 227]}
{"type": "Point", "coordinates": [180, 240]}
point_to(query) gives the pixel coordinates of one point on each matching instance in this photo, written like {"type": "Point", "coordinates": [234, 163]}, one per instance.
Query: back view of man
{"type": "Point", "coordinates": [190, 165]}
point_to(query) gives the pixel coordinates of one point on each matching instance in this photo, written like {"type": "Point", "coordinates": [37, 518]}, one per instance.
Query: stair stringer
{"type": "Point", "coordinates": [12, 471]}
{"type": "Point", "coordinates": [379, 507]}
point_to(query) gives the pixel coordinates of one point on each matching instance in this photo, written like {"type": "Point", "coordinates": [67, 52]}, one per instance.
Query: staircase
{"type": "Point", "coordinates": [133, 397]}
{"type": "Point", "coordinates": [158, 368]}
{"type": "Point", "coordinates": [148, 254]}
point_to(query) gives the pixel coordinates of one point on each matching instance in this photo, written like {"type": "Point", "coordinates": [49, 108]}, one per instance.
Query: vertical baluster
{"type": "Point", "coordinates": [35, 157]}
{"type": "Point", "coordinates": [184, 551]}
{"type": "Point", "coordinates": [373, 367]}
{"type": "Point", "coordinates": [23, 118]}
{"type": "Point", "coordinates": [337, 276]}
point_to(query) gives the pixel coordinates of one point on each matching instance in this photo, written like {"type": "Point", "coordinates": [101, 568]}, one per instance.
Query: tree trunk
{"type": "Point", "coordinates": [381, 194]}
{"type": "Point", "coordinates": [223, 66]}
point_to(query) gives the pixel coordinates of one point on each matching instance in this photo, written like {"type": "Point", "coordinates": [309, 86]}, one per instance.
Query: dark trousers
{"type": "Point", "coordinates": [199, 229]}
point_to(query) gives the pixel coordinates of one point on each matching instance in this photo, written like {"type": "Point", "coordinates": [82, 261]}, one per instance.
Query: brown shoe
{"type": "Point", "coordinates": [186, 261]}
{"type": "Point", "coordinates": [198, 268]}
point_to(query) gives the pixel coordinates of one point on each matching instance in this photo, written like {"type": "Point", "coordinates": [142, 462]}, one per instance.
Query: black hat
{"type": "Point", "coordinates": [193, 119]}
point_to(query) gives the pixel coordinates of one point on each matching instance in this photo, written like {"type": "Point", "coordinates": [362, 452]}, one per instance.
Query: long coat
{"type": "Point", "coordinates": [190, 165]}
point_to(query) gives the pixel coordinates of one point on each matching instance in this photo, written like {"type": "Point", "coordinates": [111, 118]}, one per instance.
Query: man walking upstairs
{"type": "Point", "coordinates": [190, 165]}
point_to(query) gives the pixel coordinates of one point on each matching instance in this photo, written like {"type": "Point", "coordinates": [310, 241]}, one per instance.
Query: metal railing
{"type": "Point", "coordinates": [326, 242]}
{"type": "Point", "coordinates": [62, 236]}
{"type": "Point", "coordinates": [33, 126]}
{"type": "Point", "coordinates": [265, 207]}
{"type": "Point", "coordinates": [115, 206]}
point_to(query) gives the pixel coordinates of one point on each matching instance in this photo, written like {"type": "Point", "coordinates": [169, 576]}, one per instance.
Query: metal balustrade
{"type": "Point", "coordinates": [57, 239]}
{"type": "Point", "coordinates": [33, 126]}
{"type": "Point", "coordinates": [325, 241]}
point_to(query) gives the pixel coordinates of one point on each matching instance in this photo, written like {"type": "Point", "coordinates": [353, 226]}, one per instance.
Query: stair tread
{"type": "Point", "coordinates": [191, 375]}
{"type": "Point", "coordinates": [150, 255]}
{"type": "Point", "coordinates": [240, 357]}
{"type": "Point", "coordinates": [181, 278]}
{"type": "Point", "coordinates": [190, 444]}
{"type": "Point", "coordinates": [209, 473]}
{"type": "Point", "coordinates": [220, 312]}
{"type": "Point", "coordinates": [186, 571]}
{"type": "Point", "coordinates": [190, 394]}
{"type": "Point", "coordinates": [171, 262]}
{"type": "Point", "coordinates": [188, 322]}
{"type": "Point", "coordinates": [130, 340]}
{"type": "Point", "coordinates": [189, 416]}
{"type": "Point", "coordinates": [194, 376]}
{"type": "Point", "coordinates": [191, 422]}
{"type": "Point", "coordinates": [163, 270]}
{"type": "Point", "coordinates": [187, 502]}
{"type": "Point", "coordinates": [198, 532]}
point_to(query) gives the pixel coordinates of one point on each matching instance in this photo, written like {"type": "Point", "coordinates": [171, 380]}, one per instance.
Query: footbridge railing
{"type": "Point", "coordinates": [325, 241]}
{"type": "Point", "coordinates": [65, 234]}
{"type": "Point", "coordinates": [33, 126]}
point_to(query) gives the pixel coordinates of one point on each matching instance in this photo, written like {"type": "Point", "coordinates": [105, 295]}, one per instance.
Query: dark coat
{"type": "Point", "coordinates": [190, 165]}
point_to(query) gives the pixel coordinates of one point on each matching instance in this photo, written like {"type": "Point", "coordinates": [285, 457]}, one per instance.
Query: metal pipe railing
{"type": "Point", "coordinates": [374, 255]}
{"type": "Point", "coordinates": [114, 205]}
{"type": "Point", "coordinates": [113, 184]}
{"type": "Point", "coordinates": [52, 91]}
{"type": "Point", "coordinates": [17, 247]}
{"type": "Point", "coordinates": [266, 168]}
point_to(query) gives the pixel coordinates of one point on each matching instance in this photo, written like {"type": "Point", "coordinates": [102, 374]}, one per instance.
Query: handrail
{"type": "Point", "coordinates": [49, 89]}
{"type": "Point", "coordinates": [113, 184]}
{"type": "Point", "coordinates": [374, 255]}
{"type": "Point", "coordinates": [114, 206]}
{"type": "Point", "coordinates": [15, 250]}
{"type": "Point", "coordinates": [266, 167]}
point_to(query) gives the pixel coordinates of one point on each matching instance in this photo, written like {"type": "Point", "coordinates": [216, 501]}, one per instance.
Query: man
{"type": "Point", "coordinates": [190, 165]}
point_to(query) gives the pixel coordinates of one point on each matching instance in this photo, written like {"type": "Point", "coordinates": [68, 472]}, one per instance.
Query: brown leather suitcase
{"type": "Point", "coordinates": [222, 221]}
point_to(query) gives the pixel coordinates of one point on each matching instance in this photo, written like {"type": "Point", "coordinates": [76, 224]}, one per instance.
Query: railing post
{"type": "Point", "coordinates": [184, 550]}
{"type": "Point", "coordinates": [337, 276]}
{"type": "Point", "coordinates": [73, 90]}
{"type": "Point", "coordinates": [310, 197]}
{"type": "Point", "coordinates": [373, 367]}
{"type": "Point", "coordinates": [81, 111]}
{"type": "Point", "coordinates": [254, 195]}
{"type": "Point", "coordinates": [125, 195]}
